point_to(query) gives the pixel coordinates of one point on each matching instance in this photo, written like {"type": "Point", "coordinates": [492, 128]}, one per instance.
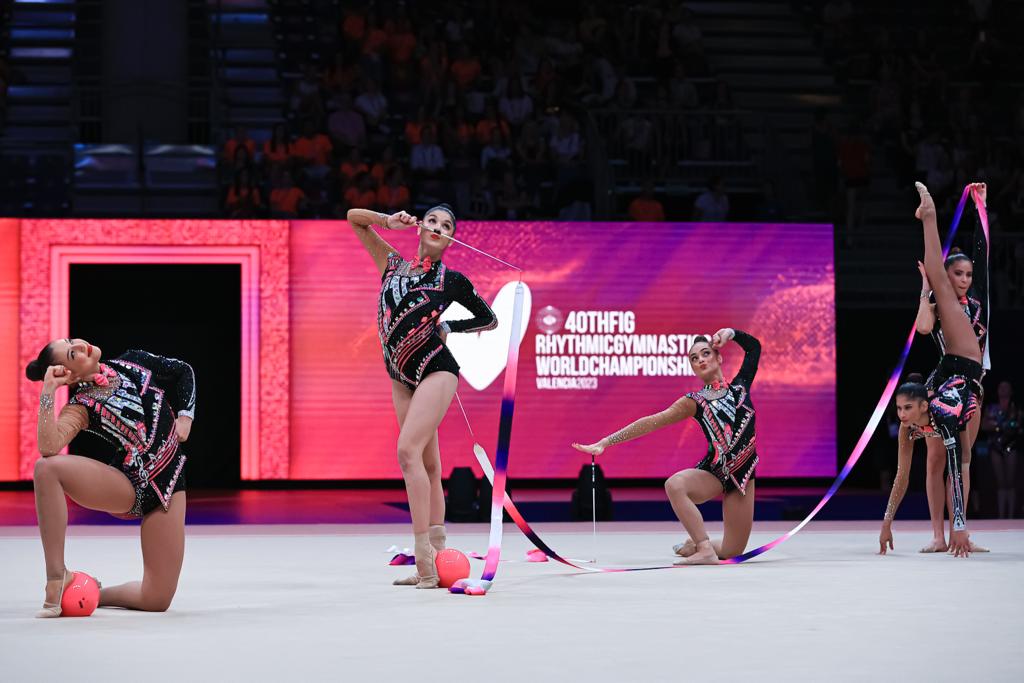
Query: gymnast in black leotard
{"type": "Point", "coordinates": [424, 374]}
{"type": "Point", "coordinates": [726, 416]}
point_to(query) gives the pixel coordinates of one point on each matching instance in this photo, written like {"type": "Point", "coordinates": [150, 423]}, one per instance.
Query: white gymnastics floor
{"type": "Point", "coordinates": [314, 603]}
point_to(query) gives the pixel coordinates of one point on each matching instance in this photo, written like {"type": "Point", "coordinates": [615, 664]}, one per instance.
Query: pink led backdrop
{"type": "Point", "coordinates": [612, 307]}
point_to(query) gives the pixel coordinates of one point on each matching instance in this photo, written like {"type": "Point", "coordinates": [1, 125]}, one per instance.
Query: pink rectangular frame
{"type": "Point", "coordinates": [49, 248]}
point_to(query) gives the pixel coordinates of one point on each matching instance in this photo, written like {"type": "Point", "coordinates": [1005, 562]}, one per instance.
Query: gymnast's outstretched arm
{"type": "Point", "coordinates": [684, 408]}
{"type": "Point", "coordinates": [899, 488]}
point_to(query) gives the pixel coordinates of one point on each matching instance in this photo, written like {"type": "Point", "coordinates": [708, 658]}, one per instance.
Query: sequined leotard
{"type": "Point", "coordinates": [726, 416]}
{"type": "Point", "coordinates": [409, 313]}
{"type": "Point", "coordinates": [136, 415]}
{"type": "Point", "coordinates": [975, 305]}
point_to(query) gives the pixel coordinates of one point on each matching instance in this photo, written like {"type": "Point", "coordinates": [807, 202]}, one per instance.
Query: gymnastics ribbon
{"type": "Point", "coordinates": [501, 465]}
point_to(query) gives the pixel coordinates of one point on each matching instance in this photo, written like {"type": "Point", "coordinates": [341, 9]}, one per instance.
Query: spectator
{"type": "Point", "coordinates": [1003, 429]}
{"type": "Point", "coordinates": [313, 149]}
{"type": "Point", "coordinates": [382, 167]}
{"type": "Point", "coordinates": [305, 100]}
{"type": "Point", "coordinates": [373, 106]}
{"type": "Point", "coordinates": [353, 25]}
{"type": "Point", "coordinates": [712, 206]}
{"type": "Point", "coordinates": [515, 105]}
{"type": "Point", "coordinates": [531, 155]}
{"type": "Point", "coordinates": [427, 159]}
{"type": "Point", "coordinates": [346, 125]}
{"type": "Point", "coordinates": [414, 126]}
{"type": "Point", "coordinates": [511, 201]}
{"type": "Point", "coordinates": [682, 93]}
{"type": "Point", "coordinates": [286, 200]}
{"type": "Point", "coordinates": [278, 149]}
{"type": "Point", "coordinates": [361, 194]}
{"type": "Point", "coordinates": [351, 168]}
{"type": "Point", "coordinates": [646, 208]}
{"type": "Point", "coordinates": [243, 198]}
{"type": "Point", "coordinates": [855, 165]}
{"type": "Point", "coordinates": [491, 121]}
{"type": "Point", "coordinates": [393, 195]}
{"type": "Point", "coordinates": [240, 139]}
{"type": "Point", "coordinates": [459, 133]}
{"type": "Point", "coordinates": [566, 144]}
{"type": "Point", "coordinates": [465, 69]}
{"type": "Point", "coordinates": [402, 42]}
{"type": "Point", "coordinates": [340, 76]}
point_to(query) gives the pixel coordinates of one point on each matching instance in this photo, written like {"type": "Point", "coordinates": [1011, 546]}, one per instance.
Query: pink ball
{"type": "Point", "coordinates": [81, 597]}
{"type": "Point", "coordinates": [452, 566]}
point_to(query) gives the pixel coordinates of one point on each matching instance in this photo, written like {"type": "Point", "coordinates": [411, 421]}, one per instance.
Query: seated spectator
{"type": "Point", "coordinates": [286, 200]}
{"type": "Point", "coordinates": [646, 208]}
{"type": "Point", "coordinates": [490, 121]}
{"type": "Point", "coordinates": [712, 205]}
{"type": "Point", "coordinates": [353, 25]}
{"type": "Point", "coordinates": [346, 125]}
{"type": "Point", "coordinates": [515, 105]}
{"type": "Point", "coordinates": [278, 149]}
{"type": "Point", "coordinates": [361, 193]}
{"type": "Point", "coordinates": [241, 138]}
{"type": "Point", "coordinates": [414, 126]}
{"type": "Point", "coordinates": [340, 76]}
{"type": "Point", "coordinates": [495, 156]}
{"type": "Point", "coordinates": [373, 106]}
{"type": "Point", "coordinates": [566, 144]}
{"type": "Point", "coordinates": [465, 69]}
{"type": "Point", "coordinates": [512, 200]}
{"type": "Point", "coordinates": [459, 133]}
{"type": "Point", "coordinates": [393, 195]}
{"type": "Point", "coordinates": [382, 167]}
{"type": "Point", "coordinates": [305, 100]}
{"type": "Point", "coordinates": [682, 93]}
{"type": "Point", "coordinates": [402, 42]}
{"type": "Point", "coordinates": [243, 198]}
{"type": "Point", "coordinates": [313, 149]}
{"type": "Point", "coordinates": [427, 158]}
{"type": "Point", "coordinates": [433, 72]}
{"type": "Point", "coordinates": [241, 158]}
{"type": "Point", "coordinates": [376, 38]}
{"type": "Point", "coordinates": [351, 168]}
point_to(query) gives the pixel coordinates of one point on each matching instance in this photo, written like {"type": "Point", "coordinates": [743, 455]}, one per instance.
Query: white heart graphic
{"type": "Point", "coordinates": [482, 355]}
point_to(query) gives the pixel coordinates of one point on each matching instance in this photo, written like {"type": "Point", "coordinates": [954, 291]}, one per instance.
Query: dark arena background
{"type": "Point", "coordinates": [176, 178]}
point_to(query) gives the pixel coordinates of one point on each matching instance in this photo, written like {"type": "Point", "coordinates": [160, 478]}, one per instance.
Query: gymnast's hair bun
{"type": "Point", "coordinates": [916, 378]}
{"type": "Point", "coordinates": [34, 371]}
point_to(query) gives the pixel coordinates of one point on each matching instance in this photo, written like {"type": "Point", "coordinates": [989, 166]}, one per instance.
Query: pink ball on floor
{"type": "Point", "coordinates": [452, 566]}
{"type": "Point", "coordinates": [81, 597]}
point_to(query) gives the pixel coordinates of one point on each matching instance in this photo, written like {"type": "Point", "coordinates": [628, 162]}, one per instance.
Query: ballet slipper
{"type": "Point", "coordinates": [436, 538]}
{"type": "Point", "coordinates": [51, 610]}
{"type": "Point", "coordinates": [425, 567]}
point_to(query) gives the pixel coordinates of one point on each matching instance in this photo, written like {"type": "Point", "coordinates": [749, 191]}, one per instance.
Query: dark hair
{"type": "Point", "coordinates": [913, 387]}
{"type": "Point", "coordinates": [954, 256]}
{"type": "Point", "coordinates": [447, 209]}
{"type": "Point", "coordinates": [36, 370]}
{"type": "Point", "coordinates": [701, 339]}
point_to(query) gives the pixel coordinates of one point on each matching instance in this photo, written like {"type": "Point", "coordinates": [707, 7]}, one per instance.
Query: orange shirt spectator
{"type": "Point", "coordinates": [646, 210]}
{"type": "Point", "coordinates": [465, 70]}
{"type": "Point", "coordinates": [286, 199]}
{"type": "Point", "coordinates": [356, 196]}
{"type": "Point", "coordinates": [354, 27]}
{"type": "Point", "coordinates": [393, 198]}
{"type": "Point", "coordinates": [484, 127]}
{"type": "Point", "coordinates": [376, 40]}
{"type": "Point", "coordinates": [401, 46]}
{"type": "Point", "coordinates": [315, 149]}
{"type": "Point", "coordinates": [350, 170]}
{"type": "Point", "coordinates": [380, 171]}
{"type": "Point", "coordinates": [231, 145]}
{"type": "Point", "coordinates": [278, 148]}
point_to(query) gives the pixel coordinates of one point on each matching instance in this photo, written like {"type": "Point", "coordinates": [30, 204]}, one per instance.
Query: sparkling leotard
{"type": "Point", "coordinates": [409, 313]}
{"type": "Point", "coordinates": [136, 415]}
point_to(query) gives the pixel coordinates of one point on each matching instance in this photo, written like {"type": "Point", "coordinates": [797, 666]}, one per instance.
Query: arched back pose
{"type": "Point", "coordinates": [424, 374]}
{"type": "Point", "coordinates": [969, 278]}
{"type": "Point", "coordinates": [142, 405]}
{"type": "Point", "coordinates": [725, 413]}
{"type": "Point", "coordinates": [957, 377]}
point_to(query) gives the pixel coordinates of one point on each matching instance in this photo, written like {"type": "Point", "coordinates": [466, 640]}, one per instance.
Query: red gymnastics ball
{"type": "Point", "coordinates": [81, 597]}
{"type": "Point", "coordinates": [452, 566]}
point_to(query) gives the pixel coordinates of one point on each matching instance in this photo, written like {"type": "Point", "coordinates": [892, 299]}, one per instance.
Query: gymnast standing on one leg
{"type": "Point", "coordinates": [142, 405]}
{"type": "Point", "coordinates": [424, 374]}
{"type": "Point", "coordinates": [969, 278]}
{"type": "Point", "coordinates": [726, 415]}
